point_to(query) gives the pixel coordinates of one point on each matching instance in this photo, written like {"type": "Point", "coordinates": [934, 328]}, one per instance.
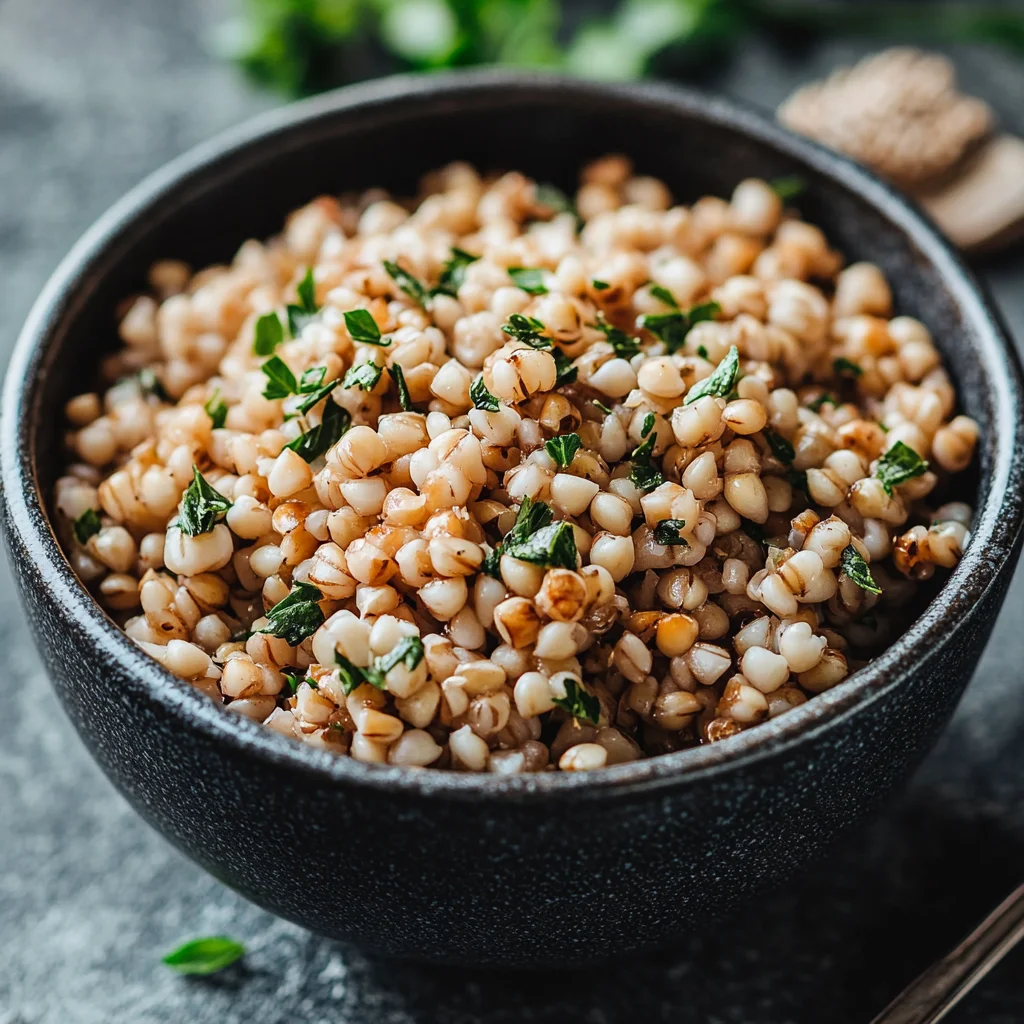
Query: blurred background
{"type": "Point", "coordinates": [94, 94]}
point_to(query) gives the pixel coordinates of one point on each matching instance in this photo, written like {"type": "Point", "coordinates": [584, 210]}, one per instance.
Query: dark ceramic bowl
{"type": "Point", "coordinates": [432, 865]}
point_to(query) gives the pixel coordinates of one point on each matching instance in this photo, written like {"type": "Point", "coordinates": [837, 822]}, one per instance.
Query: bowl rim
{"type": "Point", "coordinates": [998, 518]}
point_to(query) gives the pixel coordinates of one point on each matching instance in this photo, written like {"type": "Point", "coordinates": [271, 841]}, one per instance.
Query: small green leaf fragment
{"type": "Point", "coordinates": [204, 956]}
{"type": "Point", "coordinates": [579, 702]}
{"type": "Point", "coordinates": [856, 569]}
{"type": "Point", "coordinates": [481, 397]}
{"type": "Point", "coordinates": [563, 448]}
{"type": "Point", "coordinates": [201, 507]}
{"type": "Point", "coordinates": [269, 333]}
{"type": "Point", "coordinates": [529, 280]}
{"type": "Point", "coordinates": [87, 525]}
{"type": "Point", "coordinates": [721, 382]}
{"type": "Point", "coordinates": [362, 328]}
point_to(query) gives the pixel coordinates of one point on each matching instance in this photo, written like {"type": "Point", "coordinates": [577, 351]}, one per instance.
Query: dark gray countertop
{"type": "Point", "coordinates": [94, 94]}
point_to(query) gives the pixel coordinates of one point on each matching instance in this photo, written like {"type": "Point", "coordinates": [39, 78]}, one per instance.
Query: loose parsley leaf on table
{"type": "Point", "coordinates": [204, 956]}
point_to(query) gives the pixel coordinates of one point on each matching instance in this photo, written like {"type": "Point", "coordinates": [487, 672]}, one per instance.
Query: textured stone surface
{"type": "Point", "coordinates": [92, 96]}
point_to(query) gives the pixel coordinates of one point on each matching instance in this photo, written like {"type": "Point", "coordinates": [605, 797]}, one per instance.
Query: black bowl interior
{"type": "Point", "coordinates": [387, 134]}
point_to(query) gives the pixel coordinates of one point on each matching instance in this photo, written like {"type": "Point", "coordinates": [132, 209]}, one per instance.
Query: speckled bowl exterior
{"type": "Point", "coordinates": [531, 870]}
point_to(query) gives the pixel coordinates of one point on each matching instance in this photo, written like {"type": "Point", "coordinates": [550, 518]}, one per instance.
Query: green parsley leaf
{"type": "Point", "coordinates": [898, 465]}
{"type": "Point", "coordinates": [702, 351]}
{"type": "Point", "coordinates": [398, 376]}
{"type": "Point", "coordinates": [296, 616]}
{"type": "Point", "coordinates": [303, 313]}
{"type": "Point", "coordinates": [204, 956]}
{"type": "Point", "coordinates": [552, 546]}
{"type": "Point", "coordinates": [202, 507]}
{"type": "Point", "coordinates": [280, 380]}
{"type": "Point", "coordinates": [672, 328]}
{"type": "Point", "coordinates": [668, 532]}
{"type": "Point", "coordinates": [314, 443]}
{"type": "Point", "coordinates": [562, 449]}
{"type": "Point", "coordinates": [823, 399]}
{"type": "Point", "coordinates": [604, 408]}
{"type": "Point", "coordinates": [491, 564]}
{"type": "Point", "coordinates": [407, 283]}
{"type": "Point", "coordinates": [721, 382]}
{"type": "Point", "coordinates": [526, 329]}
{"type": "Point", "coordinates": [217, 410]}
{"type": "Point", "coordinates": [551, 196]}
{"type": "Point", "coordinates": [625, 347]}
{"type": "Point", "coordinates": [529, 280]}
{"type": "Point", "coordinates": [453, 275]}
{"type": "Point", "coordinates": [781, 448]}
{"type": "Point", "coordinates": [315, 395]}
{"type": "Point", "coordinates": [352, 676]}
{"type": "Point", "coordinates": [87, 525]}
{"type": "Point", "coordinates": [789, 186]}
{"type": "Point", "coordinates": [482, 398]}
{"type": "Point", "coordinates": [408, 652]}
{"type": "Point", "coordinates": [364, 376]}
{"type": "Point", "coordinates": [644, 475]}
{"type": "Point", "coordinates": [311, 379]}
{"type": "Point", "coordinates": [565, 372]}
{"type": "Point", "coordinates": [268, 335]}
{"type": "Point", "coordinates": [853, 565]}
{"type": "Point", "coordinates": [846, 368]}
{"type": "Point", "coordinates": [532, 516]}
{"type": "Point", "coordinates": [664, 295]}
{"type": "Point", "coordinates": [363, 328]}
{"type": "Point", "coordinates": [152, 385]}
{"type": "Point", "coordinates": [293, 679]}
{"type": "Point", "coordinates": [648, 424]}
{"type": "Point", "coordinates": [579, 702]}
{"type": "Point", "coordinates": [599, 286]}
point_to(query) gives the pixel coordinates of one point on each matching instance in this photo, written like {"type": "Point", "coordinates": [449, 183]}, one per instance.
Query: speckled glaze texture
{"type": "Point", "coordinates": [530, 870]}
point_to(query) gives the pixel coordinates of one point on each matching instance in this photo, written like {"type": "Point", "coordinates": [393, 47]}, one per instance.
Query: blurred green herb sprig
{"type": "Point", "coordinates": [303, 46]}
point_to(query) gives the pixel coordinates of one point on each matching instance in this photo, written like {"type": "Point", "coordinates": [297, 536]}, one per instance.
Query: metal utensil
{"type": "Point", "coordinates": [935, 992]}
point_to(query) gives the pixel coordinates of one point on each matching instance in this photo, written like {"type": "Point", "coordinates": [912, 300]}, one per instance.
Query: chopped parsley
{"type": "Point", "coordinates": [853, 566]}
{"type": "Point", "coordinates": [562, 449]}
{"type": "Point", "coordinates": [293, 679]}
{"type": "Point", "coordinates": [303, 312]}
{"type": "Point", "coordinates": [453, 274]}
{"type": "Point", "coordinates": [721, 382]}
{"type": "Point", "coordinates": [529, 280]}
{"type": "Point", "coordinates": [281, 383]}
{"type": "Point", "coordinates": [625, 347]}
{"type": "Point", "coordinates": [482, 398]}
{"type": "Point", "coordinates": [599, 285]}
{"type": "Point", "coordinates": [898, 465]}
{"type": "Point", "coordinates": [314, 443]}
{"type": "Point", "coordinates": [823, 399]}
{"type": "Point", "coordinates": [217, 410]}
{"type": "Point", "coordinates": [204, 956]}
{"type": "Point", "coordinates": [846, 368]}
{"type": "Point", "coordinates": [600, 405]}
{"type": "Point", "coordinates": [87, 525]}
{"type": "Point", "coordinates": [409, 284]}
{"type": "Point", "coordinates": [552, 197]}
{"type": "Point", "coordinates": [398, 376]}
{"type": "Point", "coordinates": [491, 564]}
{"type": "Point", "coordinates": [781, 448]}
{"type": "Point", "coordinates": [528, 330]}
{"type": "Point", "coordinates": [552, 546]}
{"type": "Point", "coordinates": [269, 334]}
{"type": "Point", "coordinates": [202, 506]}
{"type": "Point", "coordinates": [664, 295]}
{"type": "Point", "coordinates": [280, 380]}
{"type": "Point", "coordinates": [363, 328]}
{"type": "Point", "coordinates": [152, 385]}
{"type": "Point", "coordinates": [702, 351]}
{"type": "Point", "coordinates": [364, 376]}
{"type": "Point", "coordinates": [565, 372]}
{"type": "Point", "coordinates": [644, 475]}
{"type": "Point", "coordinates": [579, 702]}
{"type": "Point", "coordinates": [408, 652]}
{"type": "Point", "coordinates": [296, 616]}
{"type": "Point", "coordinates": [672, 328]}
{"type": "Point", "coordinates": [648, 424]}
{"type": "Point", "coordinates": [788, 187]}
{"type": "Point", "coordinates": [669, 531]}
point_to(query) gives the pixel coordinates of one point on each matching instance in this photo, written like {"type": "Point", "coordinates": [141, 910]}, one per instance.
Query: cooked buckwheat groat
{"type": "Point", "coordinates": [496, 480]}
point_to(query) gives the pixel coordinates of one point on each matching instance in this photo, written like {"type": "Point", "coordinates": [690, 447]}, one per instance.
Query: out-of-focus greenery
{"type": "Point", "coordinates": [301, 46]}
